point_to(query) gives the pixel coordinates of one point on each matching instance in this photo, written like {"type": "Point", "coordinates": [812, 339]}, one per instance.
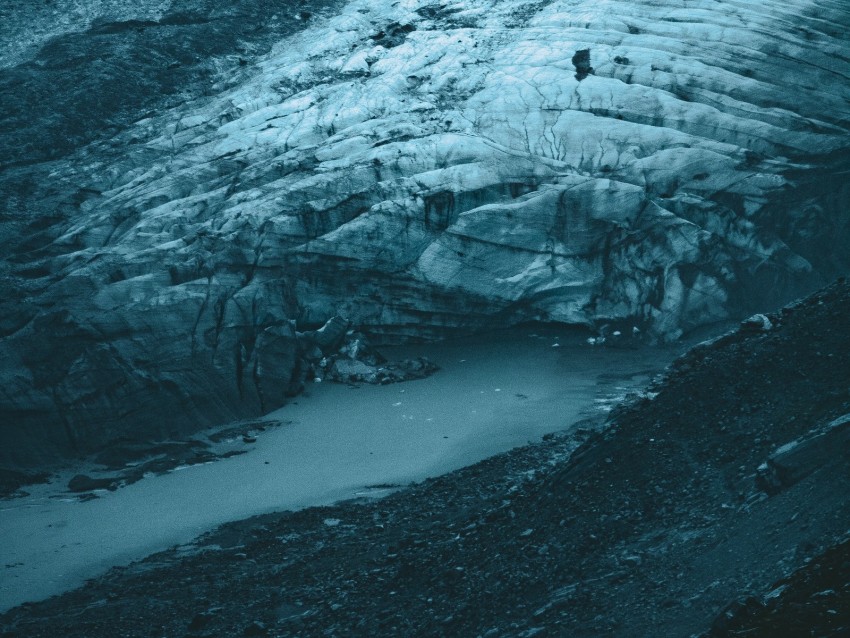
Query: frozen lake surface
{"type": "Point", "coordinates": [492, 394]}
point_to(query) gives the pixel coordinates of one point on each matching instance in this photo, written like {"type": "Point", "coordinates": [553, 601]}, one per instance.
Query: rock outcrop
{"type": "Point", "coordinates": [416, 167]}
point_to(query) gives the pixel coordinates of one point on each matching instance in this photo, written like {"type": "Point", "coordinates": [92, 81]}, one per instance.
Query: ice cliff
{"type": "Point", "coordinates": [415, 167]}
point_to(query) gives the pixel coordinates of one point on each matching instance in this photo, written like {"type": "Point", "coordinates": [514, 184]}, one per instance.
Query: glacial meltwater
{"type": "Point", "coordinates": [492, 393]}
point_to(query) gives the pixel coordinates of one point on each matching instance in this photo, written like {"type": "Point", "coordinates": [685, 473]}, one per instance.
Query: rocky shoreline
{"type": "Point", "coordinates": [655, 521]}
{"type": "Point", "coordinates": [333, 352]}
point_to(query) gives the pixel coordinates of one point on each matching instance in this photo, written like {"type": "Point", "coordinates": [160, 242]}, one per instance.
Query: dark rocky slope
{"type": "Point", "coordinates": [183, 179]}
{"type": "Point", "coordinates": [652, 526]}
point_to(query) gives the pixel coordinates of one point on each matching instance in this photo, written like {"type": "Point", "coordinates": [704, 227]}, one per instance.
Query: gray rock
{"type": "Point", "coordinates": [202, 619]}
{"type": "Point", "coordinates": [581, 61]}
{"type": "Point", "coordinates": [84, 483]}
{"type": "Point", "coordinates": [796, 460]}
{"type": "Point", "coordinates": [358, 347]}
{"type": "Point", "coordinates": [256, 628]}
{"type": "Point", "coordinates": [352, 371]}
{"type": "Point", "coordinates": [331, 335]}
{"type": "Point", "coordinates": [757, 323]}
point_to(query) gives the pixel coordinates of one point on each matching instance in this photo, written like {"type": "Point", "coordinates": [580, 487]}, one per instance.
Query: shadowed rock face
{"type": "Point", "coordinates": [415, 167]}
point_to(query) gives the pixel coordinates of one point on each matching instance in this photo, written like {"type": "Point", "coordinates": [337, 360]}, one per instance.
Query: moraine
{"type": "Point", "coordinates": [493, 393]}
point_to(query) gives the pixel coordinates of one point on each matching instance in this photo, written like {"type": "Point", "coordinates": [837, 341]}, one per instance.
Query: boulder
{"type": "Point", "coordinates": [756, 323]}
{"type": "Point", "coordinates": [331, 335]}
{"type": "Point", "coordinates": [358, 347]}
{"type": "Point", "coordinates": [417, 368]}
{"type": "Point", "coordinates": [85, 483]}
{"type": "Point", "coordinates": [352, 371]}
{"type": "Point", "coordinates": [255, 628]}
{"type": "Point", "coordinates": [794, 461]}
{"type": "Point", "coordinates": [581, 61]}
